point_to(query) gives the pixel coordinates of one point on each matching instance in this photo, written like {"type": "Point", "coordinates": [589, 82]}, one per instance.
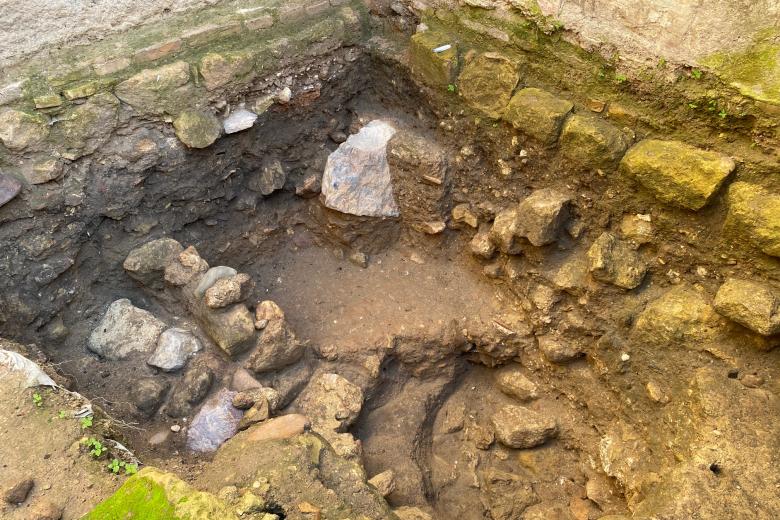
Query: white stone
{"type": "Point", "coordinates": [239, 120]}
{"type": "Point", "coordinates": [357, 177]}
{"type": "Point", "coordinates": [174, 347]}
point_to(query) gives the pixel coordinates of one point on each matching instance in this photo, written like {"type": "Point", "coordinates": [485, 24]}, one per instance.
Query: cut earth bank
{"type": "Point", "coordinates": [289, 250]}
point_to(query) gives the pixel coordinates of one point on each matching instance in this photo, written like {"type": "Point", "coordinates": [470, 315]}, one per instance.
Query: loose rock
{"type": "Point", "coordinates": [384, 482]}
{"type": "Point", "coordinates": [519, 427]}
{"type": "Point", "coordinates": [616, 262]}
{"type": "Point", "coordinates": [227, 291]}
{"type": "Point", "coordinates": [331, 403]}
{"type": "Point", "coordinates": [17, 493]}
{"type": "Point", "coordinates": [211, 277]}
{"type": "Point", "coordinates": [197, 129]}
{"type": "Point", "coordinates": [513, 382]}
{"type": "Point", "coordinates": [754, 213]}
{"type": "Point", "coordinates": [542, 215]}
{"type": "Point", "coordinates": [277, 346]}
{"type": "Point", "coordinates": [147, 394]}
{"type": "Point", "coordinates": [538, 114]}
{"type": "Point", "coordinates": [270, 178]}
{"type": "Point", "coordinates": [239, 120]}
{"type": "Point", "coordinates": [481, 245]}
{"type": "Point", "coordinates": [557, 349]}
{"type": "Point", "coordinates": [46, 510]}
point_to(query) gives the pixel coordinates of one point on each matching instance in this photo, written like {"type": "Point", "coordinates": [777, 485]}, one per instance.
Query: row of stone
{"type": "Point", "coordinates": [674, 172]}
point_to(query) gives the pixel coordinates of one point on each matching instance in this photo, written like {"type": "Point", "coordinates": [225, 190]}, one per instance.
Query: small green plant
{"type": "Point", "coordinates": [451, 88]}
{"type": "Point", "coordinates": [620, 78]}
{"type": "Point", "coordinates": [693, 106]}
{"type": "Point", "coordinates": [696, 74]}
{"type": "Point", "coordinates": [116, 465]}
{"type": "Point", "coordinates": [37, 399]}
{"type": "Point", "coordinates": [95, 447]}
{"type": "Point", "coordinates": [661, 62]}
{"type": "Point", "coordinates": [86, 422]}
{"type": "Point", "coordinates": [723, 114]}
{"type": "Point", "coordinates": [63, 414]}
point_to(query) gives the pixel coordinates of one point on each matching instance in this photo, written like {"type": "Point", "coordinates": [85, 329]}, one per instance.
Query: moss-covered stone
{"type": "Point", "coordinates": [220, 69]}
{"type": "Point", "coordinates": [83, 127]}
{"type": "Point", "coordinates": [677, 173]}
{"type": "Point", "coordinates": [437, 69]}
{"type": "Point", "coordinates": [590, 142]}
{"type": "Point", "coordinates": [754, 213]}
{"type": "Point", "coordinates": [18, 129]}
{"type": "Point", "coordinates": [487, 82]}
{"type": "Point", "coordinates": [87, 89]}
{"type": "Point", "coordinates": [154, 494]}
{"type": "Point", "coordinates": [48, 101]}
{"type": "Point", "coordinates": [755, 72]}
{"type": "Point", "coordinates": [538, 114]}
{"type": "Point", "coordinates": [166, 89]}
{"type": "Point", "coordinates": [197, 129]}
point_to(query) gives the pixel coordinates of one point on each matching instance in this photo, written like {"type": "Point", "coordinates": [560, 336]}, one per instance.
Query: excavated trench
{"type": "Point", "coordinates": [443, 338]}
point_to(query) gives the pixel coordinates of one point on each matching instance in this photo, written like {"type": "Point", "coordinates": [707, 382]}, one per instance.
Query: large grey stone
{"type": "Point", "coordinates": [519, 427]}
{"type": "Point", "coordinates": [357, 177]}
{"type": "Point", "coordinates": [146, 263]}
{"type": "Point", "coordinates": [174, 347]}
{"type": "Point", "coordinates": [9, 188]}
{"type": "Point", "coordinates": [752, 304]}
{"type": "Point", "coordinates": [123, 330]}
{"type": "Point", "coordinates": [216, 422]}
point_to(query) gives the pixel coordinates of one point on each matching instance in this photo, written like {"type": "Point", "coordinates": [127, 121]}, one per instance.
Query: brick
{"type": "Point", "coordinates": [82, 91]}
{"type": "Point", "coordinates": [49, 101]}
{"type": "Point", "coordinates": [112, 66]}
{"type": "Point", "coordinates": [206, 33]}
{"type": "Point", "coordinates": [157, 51]}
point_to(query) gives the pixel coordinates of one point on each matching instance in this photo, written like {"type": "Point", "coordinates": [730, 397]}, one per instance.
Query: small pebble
{"type": "Point", "coordinates": [175, 428]}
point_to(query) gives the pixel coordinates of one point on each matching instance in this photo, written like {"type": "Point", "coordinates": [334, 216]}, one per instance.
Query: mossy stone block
{"type": "Point", "coordinates": [165, 89]}
{"type": "Point", "coordinates": [219, 70]}
{"type": "Point", "coordinates": [754, 213]}
{"type": "Point", "coordinates": [437, 69]}
{"type": "Point", "coordinates": [487, 82]}
{"type": "Point", "coordinates": [677, 173]}
{"type": "Point", "coordinates": [592, 143]}
{"type": "Point", "coordinates": [538, 114]}
{"type": "Point", "coordinates": [197, 129]}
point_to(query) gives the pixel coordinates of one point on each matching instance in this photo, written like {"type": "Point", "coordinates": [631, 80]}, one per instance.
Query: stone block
{"type": "Point", "coordinates": [754, 213]}
{"type": "Point", "coordinates": [487, 82]}
{"type": "Point", "coordinates": [677, 173]}
{"type": "Point", "coordinates": [592, 143]}
{"type": "Point", "coordinates": [437, 69]}
{"type": "Point", "coordinates": [751, 304]}
{"type": "Point", "coordinates": [538, 114]}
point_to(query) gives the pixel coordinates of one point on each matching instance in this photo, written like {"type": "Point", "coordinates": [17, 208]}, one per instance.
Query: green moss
{"type": "Point", "coordinates": [755, 72]}
{"type": "Point", "coordinates": [137, 498]}
{"type": "Point", "coordinates": [155, 495]}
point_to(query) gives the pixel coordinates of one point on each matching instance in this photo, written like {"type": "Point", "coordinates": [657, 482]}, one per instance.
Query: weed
{"type": "Point", "coordinates": [661, 62]}
{"type": "Point", "coordinates": [63, 414]}
{"type": "Point", "coordinates": [86, 422]}
{"type": "Point", "coordinates": [451, 88]}
{"type": "Point", "coordinates": [116, 465]}
{"type": "Point", "coordinates": [620, 78]}
{"type": "Point", "coordinates": [693, 106]}
{"type": "Point", "coordinates": [696, 74]}
{"type": "Point", "coordinates": [96, 448]}
{"type": "Point", "coordinates": [723, 114]}
{"type": "Point", "coordinates": [37, 399]}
